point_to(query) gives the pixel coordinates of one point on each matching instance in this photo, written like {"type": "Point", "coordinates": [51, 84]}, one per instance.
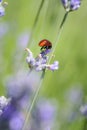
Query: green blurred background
{"type": "Point", "coordinates": [71, 50]}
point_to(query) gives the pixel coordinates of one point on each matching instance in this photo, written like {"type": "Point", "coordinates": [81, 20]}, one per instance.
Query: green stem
{"type": "Point", "coordinates": [30, 106]}
{"type": "Point", "coordinates": [64, 19]}
{"type": "Point", "coordinates": [59, 33]}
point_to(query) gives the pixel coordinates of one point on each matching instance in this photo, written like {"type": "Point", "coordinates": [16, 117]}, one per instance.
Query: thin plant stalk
{"type": "Point", "coordinates": [36, 20]}
{"type": "Point", "coordinates": [58, 36]}
{"type": "Point", "coordinates": [30, 106]}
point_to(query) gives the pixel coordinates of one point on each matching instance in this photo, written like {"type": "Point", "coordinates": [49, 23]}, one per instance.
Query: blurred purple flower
{"type": "Point", "coordinates": [83, 110]}
{"type": "Point", "coordinates": [71, 5]}
{"type": "Point", "coordinates": [74, 95]}
{"type": "Point", "coordinates": [2, 11]}
{"type": "Point", "coordinates": [18, 85]}
{"type": "Point", "coordinates": [73, 99]}
{"type": "Point", "coordinates": [16, 121]}
{"type": "Point", "coordinates": [4, 27]}
{"type": "Point", "coordinates": [21, 86]}
{"type": "Point", "coordinates": [23, 40]}
{"type": "Point", "coordinates": [47, 110]}
{"type": "Point", "coordinates": [44, 114]}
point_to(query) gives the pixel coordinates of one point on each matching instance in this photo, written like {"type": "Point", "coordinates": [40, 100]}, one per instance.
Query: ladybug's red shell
{"type": "Point", "coordinates": [45, 44]}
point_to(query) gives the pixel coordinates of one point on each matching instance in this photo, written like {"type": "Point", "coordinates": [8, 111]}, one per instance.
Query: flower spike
{"type": "Point", "coordinates": [71, 5]}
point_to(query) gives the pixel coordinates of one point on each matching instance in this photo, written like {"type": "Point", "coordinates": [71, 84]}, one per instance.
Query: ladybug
{"type": "Point", "coordinates": [45, 44]}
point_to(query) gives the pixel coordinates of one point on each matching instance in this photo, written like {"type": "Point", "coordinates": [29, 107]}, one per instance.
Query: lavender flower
{"type": "Point", "coordinates": [71, 5]}
{"type": "Point", "coordinates": [75, 4]}
{"type": "Point", "coordinates": [3, 103]}
{"type": "Point", "coordinates": [40, 62]}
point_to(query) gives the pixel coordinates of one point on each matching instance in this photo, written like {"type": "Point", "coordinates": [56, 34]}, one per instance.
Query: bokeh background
{"type": "Point", "coordinates": [67, 85]}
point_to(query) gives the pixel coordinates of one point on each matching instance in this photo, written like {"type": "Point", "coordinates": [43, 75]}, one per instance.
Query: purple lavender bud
{"type": "Point", "coordinates": [41, 67]}
{"type": "Point", "coordinates": [65, 3]}
{"type": "Point", "coordinates": [45, 52]}
{"type": "Point", "coordinates": [71, 5]}
{"type": "Point", "coordinates": [30, 59]}
{"type": "Point", "coordinates": [75, 4]}
{"type": "Point", "coordinates": [54, 66]}
{"type": "Point", "coordinates": [40, 62]}
{"type": "Point", "coordinates": [0, 0]}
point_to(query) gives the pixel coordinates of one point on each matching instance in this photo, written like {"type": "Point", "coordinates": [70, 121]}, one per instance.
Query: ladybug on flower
{"type": "Point", "coordinates": [40, 62]}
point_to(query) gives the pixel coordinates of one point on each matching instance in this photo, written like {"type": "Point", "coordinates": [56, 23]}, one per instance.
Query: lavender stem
{"type": "Point", "coordinates": [59, 33]}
